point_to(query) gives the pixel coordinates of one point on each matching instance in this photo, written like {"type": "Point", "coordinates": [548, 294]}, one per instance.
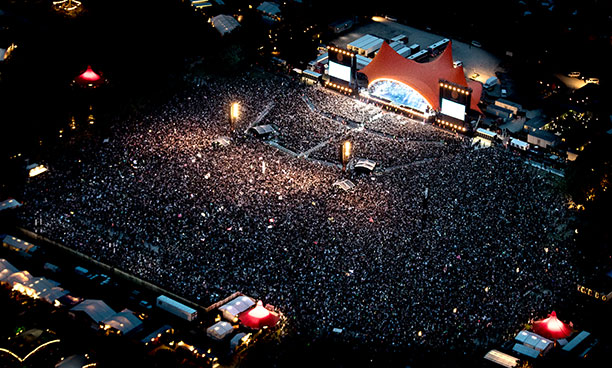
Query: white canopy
{"type": "Point", "coordinates": [96, 309]}
{"type": "Point", "coordinates": [124, 321]}
{"type": "Point", "coordinates": [345, 184]}
{"type": "Point", "coordinates": [233, 308]}
{"type": "Point", "coordinates": [365, 164]}
{"type": "Point", "coordinates": [219, 330]}
{"type": "Point", "coordinates": [6, 269]}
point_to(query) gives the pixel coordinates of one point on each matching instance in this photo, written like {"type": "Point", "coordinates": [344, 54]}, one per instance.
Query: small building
{"type": "Point", "coordinates": [362, 61]}
{"type": "Point", "coordinates": [224, 24]}
{"type": "Point", "coordinates": [18, 245]}
{"type": "Point", "coordinates": [263, 131]}
{"type": "Point", "coordinates": [239, 339]}
{"type": "Point", "coordinates": [534, 124]}
{"type": "Point", "coordinates": [366, 45]}
{"type": "Point", "coordinates": [36, 169]}
{"type": "Point", "coordinates": [341, 26]}
{"type": "Point", "coordinates": [123, 323]}
{"type": "Point", "coordinates": [509, 105]}
{"type": "Point", "coordinates": [365, 165]}
{"type": "Point", "coordinates": [542, 138]}
{"type": "Point", "coordinates": [201, 4]}
{"type": "Point", "coordinates": [310, 77]}
{"type": "Point", "coordinates": [534, 341]}
{"type": "Point", "coordinates": [233, 308]}
{"type": "Point", "coordinates": [6, 269]}
{"type": "Point", "coordinates": [270, 11]}
{"type": "Point", "coordinates": [499, 111]}
{"type": "Point", "coordinates": [345, 185]}
{"type": "Point", "coordinates": [518, 144]}
{"type": "Point", "coordinates": [219, 330]}
{"type": "Point", "coordinates": [503, 359]}
{"type": "Point", "coordinates": [8, 204]}
{"type": "Point", "coordinates": [157, 334]}
{"type": "Point", "coordinates": [34, 287]}
{"type": "Point", "coordinates": [526, 351]}
{"type": "Point", "coordinates": [93, 310]}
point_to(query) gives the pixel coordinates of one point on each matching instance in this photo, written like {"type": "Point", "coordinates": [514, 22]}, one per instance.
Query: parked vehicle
{"type": "Point", "coordinates": [176, 308]}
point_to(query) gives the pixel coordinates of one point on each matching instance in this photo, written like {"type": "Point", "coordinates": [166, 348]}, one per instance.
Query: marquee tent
{"type": "Point", "coordinates": [89, 78]}
{"type": "Point", "coordinates": [259, 317]}
{"type": "Point", "coordinates": [219, 330]}
{"type": "Point", "coordinates": [552, 328]}
{"type": "Point", "coordinates": [232, 309]}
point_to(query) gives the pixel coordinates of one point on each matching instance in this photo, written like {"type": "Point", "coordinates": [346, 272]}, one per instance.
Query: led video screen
{"type": "Point", "coordinates": [453, 109]}
{"type": "Point", "coordinates": [339, 71]}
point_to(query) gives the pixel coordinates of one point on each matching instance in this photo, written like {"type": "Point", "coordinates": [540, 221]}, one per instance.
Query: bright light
{"type": "Point", "coordinates": [259, 311]}
{"type": "Point", "coordinates": [90, 75]}
{"type": "Point", "coordinates": [453, 109]}
{"type": "Point", "coordinates": [235, 110]}
{"type": "Point", "coordinates": [339, 71]}
{"type": "Point", "coordinates": [346, 150]}
{"type": "Point", "coordinates": [37, 171]}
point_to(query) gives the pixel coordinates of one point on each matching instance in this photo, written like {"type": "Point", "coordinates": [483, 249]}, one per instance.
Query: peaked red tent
{"type": "Point", "coordinates": [422, 77]}
{"type": "Point", "coordinates": [89, 78]}
{"type": "Point", "coordinates": [258, 317]}
{"type": "Point", "coordinates": [552, 328]}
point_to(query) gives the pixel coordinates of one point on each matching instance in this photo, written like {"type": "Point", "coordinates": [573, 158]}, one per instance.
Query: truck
{"type": "Point", "coordinates": [176, 308]}
{"type": "Point", "coordinates": [490, 83]}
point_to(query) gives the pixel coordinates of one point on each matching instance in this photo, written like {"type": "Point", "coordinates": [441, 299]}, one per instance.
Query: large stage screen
{"type": "Point", "coordinates": [451, 108]}
{"type": "Point", "coordinates": [339, 71]}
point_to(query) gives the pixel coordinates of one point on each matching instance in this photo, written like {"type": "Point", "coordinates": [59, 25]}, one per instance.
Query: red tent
{"type": "Point", "coordinates": [258, 317]}
{"type": "Point", "coordinates": [552, 328]}
{"type": "Point", "coordinates": [89, 78]}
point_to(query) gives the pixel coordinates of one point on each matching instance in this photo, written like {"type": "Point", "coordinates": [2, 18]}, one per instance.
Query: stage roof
{"type": "Point", "coordinates": [422, 77]}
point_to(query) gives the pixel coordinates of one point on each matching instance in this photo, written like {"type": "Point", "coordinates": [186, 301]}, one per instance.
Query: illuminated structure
{"type": "Point", "coordinates": [89, 79]}
{"type": "Point", "coordinates": [69, 7]}
{"type": "Point", "coordinates": [422, 88]}
{"type": "Point", "coordinates": [552, 328]}
{"type": "Point", "coordinates": [234, 114]}
{"type": "Point", "coordinates": [346, 154]}
{"type": "Point", "coordinates": [342, 70]}
{"type": "Point", "coordinates": [259, 317]}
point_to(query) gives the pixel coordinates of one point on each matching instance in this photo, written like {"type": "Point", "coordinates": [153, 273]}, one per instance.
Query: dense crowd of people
{"type": "Point", "coordinates": [452, 247]}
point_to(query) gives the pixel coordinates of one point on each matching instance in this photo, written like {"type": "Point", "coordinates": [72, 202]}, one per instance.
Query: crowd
{"type": "Point", "coordinates": [454, 247]}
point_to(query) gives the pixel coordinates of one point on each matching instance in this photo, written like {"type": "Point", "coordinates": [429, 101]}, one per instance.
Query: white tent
{"type": "Point", "coordinates": [345, 184]}
{"type": "Point", "coordinates": [219, 330]}
{"type": "Point", "coordinates": [96, 309]}
{"type": "Point", "coordinates": [6, 269]}
{"type": "Point", "coordinates": [232, 309]}
{"type": "Point", "coordinates": [124, 321]}
{"type": "Point", "coordinates": [365, 164]}
{"type": "Point", "coordinates": [224, 24]}
{"type": "Point", "coordinates": [17, 244]}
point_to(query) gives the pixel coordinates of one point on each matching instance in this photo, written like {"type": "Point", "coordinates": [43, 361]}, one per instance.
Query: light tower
{"type": "Point", "coordinates": [346, 154]}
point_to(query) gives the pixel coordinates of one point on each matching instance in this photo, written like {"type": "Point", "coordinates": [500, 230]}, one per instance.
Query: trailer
{"type": "Point", "coordinates": [176, 308]}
